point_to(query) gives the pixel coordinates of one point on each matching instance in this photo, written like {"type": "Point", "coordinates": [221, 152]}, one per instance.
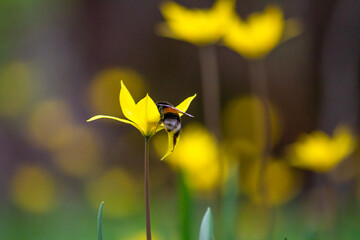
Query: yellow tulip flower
{"type": "Point", "coordinates": [196, 26]}
{"type": "Point", "coordinates": [143, 115]}
{"type": "Point", "coordinates": [321, 153]}
{"type": "Point", "coordinates": [260, 33]}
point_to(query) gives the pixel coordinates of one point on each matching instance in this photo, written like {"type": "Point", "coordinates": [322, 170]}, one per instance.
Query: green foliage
{"type": "Point", "coordinates": [207, 227]}
{"type": "Point", "coordinates": [99, 224]}
{"type": "Point", "coordinates": [230, 204]}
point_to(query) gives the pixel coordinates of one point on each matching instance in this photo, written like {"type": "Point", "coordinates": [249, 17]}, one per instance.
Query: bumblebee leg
{"type": "Point", "coordinates": [175, 138]}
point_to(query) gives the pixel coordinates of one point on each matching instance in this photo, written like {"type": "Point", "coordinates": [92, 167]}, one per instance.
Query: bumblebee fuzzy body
{"type": "Point", "coordinates": [172, 122]}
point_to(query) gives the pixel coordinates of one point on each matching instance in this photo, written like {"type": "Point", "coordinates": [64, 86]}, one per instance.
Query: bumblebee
{"type": "Point", "coordinates": [170, 117]}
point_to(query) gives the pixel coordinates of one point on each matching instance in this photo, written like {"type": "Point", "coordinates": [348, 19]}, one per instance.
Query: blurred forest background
{"type": "Point", "coordinates": [61, 63]}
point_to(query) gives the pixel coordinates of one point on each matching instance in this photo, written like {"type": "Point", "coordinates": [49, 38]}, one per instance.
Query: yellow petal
{"type": "Point", "coordinates": [127, 103]}
{"type": "Point", "coordinates": [160, 127]}
{"type": "Point", "coordinates": [163, 30]}
{"type": "Point", "coordinates": [173, 11]}
{"type": "Point", "coordinates": [224, 6]}
{"type": "Point", "coordinates": [147, 115]}
{"type": "Point", "coordinates": [320, 152]}
{"type": "Point", "coordinates": [197, 26]}
{"type": "Point", "coordinates": [115, 118]}
{"type": "Point", "coordinates": [258, 35]}
{"type": "Point", "coordinates": [171, 144]}
{"type": "Point", "coordinates": [185, 104]}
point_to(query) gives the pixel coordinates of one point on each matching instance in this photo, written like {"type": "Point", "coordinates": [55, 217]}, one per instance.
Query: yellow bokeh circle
{"type": "Point", "coordinates": [281, 182]}
{"type": "Point", "coordinates": [47, 122]}
{"type": "Point", "coordinates": [80, 155]}
{"type": "Point", "coordinates": [121, 193]}
{"type": "Point", "coordinates": [33, 189]}
{"type": "Point", "coordinates": [105, 88]}
{"type": "Point", "coordinates": [17, 89]}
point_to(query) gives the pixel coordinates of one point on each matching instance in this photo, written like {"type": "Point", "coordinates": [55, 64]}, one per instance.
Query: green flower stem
{"type": "Point", "coordinates": [211, 97]}
{"type": "Point", "coordinates": [147, 192]}
{"type": "Point", "coordinates": [185, 207]}
{"type": "Point", "coordinates": [210, 88]}
{"type": "Point", "coordinates": [258, 83]}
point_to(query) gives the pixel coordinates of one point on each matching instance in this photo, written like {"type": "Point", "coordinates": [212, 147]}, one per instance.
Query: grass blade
{"type": "Point", "coordinates": [99, 222]}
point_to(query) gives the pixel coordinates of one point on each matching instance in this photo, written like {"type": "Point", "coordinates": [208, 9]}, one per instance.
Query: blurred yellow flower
{"type": "Point", "coordinates": [321, 153]}
{"type": "Point", "coordinates": [197, 26]}
{"type": "Point", "coordinates": [144, 115]}
{"type": "Point", "coordinates": [80, 155]}
{"type": "Point", "coordinates": [282, 183]}
{"type": "Point", "coordinates": [248, 111]}
{"type": "Point", "coordinates": [260, 34]}
{"type": "Point", "coordinates": [119, 190]}
{"type": "Point", "coordinates": [142, 236]}
{"type": "Point", "coordinates": [18, 86]}
{"type": "Point", "coordinates": [33, 189]}
{"type": "Point", "coordinates": [44, 117]}
{"type": "Point", "coordinates": [197, 157]}
{"type": "Point", "coordinates": [75, 150]}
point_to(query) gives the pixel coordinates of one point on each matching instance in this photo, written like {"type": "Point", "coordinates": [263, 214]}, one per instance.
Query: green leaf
{"type": "Point", "coordinates": [207, 227]}
{"type": "Point", "coordinates": [99, 224]}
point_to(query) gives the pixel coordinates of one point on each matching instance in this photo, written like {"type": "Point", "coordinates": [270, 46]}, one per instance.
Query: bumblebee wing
{"type": "Point", "coordinates": [185, 113]}
{"type": "Point", "coordinates": [179, 111]}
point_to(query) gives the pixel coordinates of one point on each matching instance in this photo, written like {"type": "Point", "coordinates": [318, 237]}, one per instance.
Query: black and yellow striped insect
{"type": "Point", "coordinates": [170, 117]}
